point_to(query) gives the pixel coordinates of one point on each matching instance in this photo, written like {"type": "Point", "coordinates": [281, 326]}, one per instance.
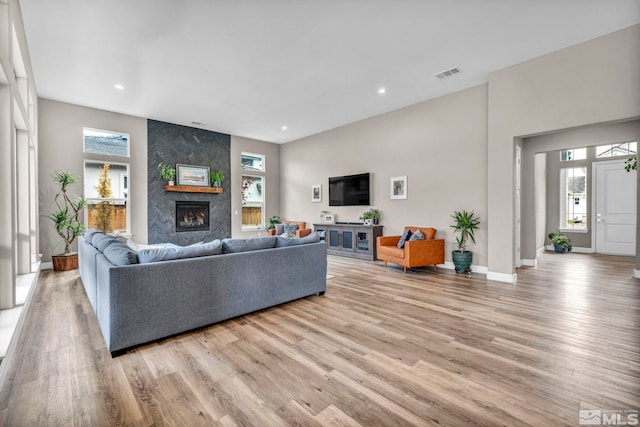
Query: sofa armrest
{"type": "Point", "coordinates": [388, 240]}
{"type": "Point", "coordinates": [430, 251]}
{"type": "Point", "coordinates": [303, 233]}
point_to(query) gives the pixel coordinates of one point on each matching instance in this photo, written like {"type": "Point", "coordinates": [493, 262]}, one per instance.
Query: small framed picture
{"type": "Point", "coordinates": [316, 193]}
{"type": "Point", "coordinates": [328, 218]}
{"type": "Point", "coordinates": [398, 187]}
{"type": "Point", "coordinates": [197, 176]}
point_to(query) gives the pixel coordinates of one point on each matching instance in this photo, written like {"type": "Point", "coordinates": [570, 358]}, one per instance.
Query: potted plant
{"type": "Point", "coordinates": [167, 172]}
{"type": "Point", "coordinates": [372, 216]}
{"type": "Point", "coordinates": [465, 223]}
{"type": "Point", "coordinates": [216, 178]}
{"type": "Point", "coordinates": [66, 221]}
{"type": "Point", "coordinates": [561, 243]}
{"type": "Point", "coordinates": [272, 221]}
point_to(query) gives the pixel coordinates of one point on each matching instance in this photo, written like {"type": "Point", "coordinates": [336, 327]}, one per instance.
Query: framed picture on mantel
{"type": "Point", "coordinates": [197, 176]}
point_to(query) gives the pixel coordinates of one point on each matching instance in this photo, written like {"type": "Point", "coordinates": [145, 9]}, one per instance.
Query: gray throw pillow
{"type": "Point", "coordinates": [291, 228]}
{"type": "Point", "coordinates": [230, 246]}
{"type": "Point", "coordinates": [417, 236]}
{"type": "Point", "coordinates": [283, 241]}
{"type": "Point", "coordinates": [406, 236]}
{"type": "Point", "coordinates": [101, 241]}
{"type": "Point", "coordinates": [279, 229]}
{"type": "Point", "coordinates": [120, 254]}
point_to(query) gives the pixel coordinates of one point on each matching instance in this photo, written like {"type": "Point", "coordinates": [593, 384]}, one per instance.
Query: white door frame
{"type": "Point", "coordinates": [518, 188]}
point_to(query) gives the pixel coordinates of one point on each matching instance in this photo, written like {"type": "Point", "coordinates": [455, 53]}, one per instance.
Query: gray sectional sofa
{"type": "Point", "coordinates": [178, 289]}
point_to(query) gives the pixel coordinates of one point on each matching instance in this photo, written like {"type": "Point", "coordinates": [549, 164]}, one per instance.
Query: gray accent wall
{"type": "Point", "coordinates": [171, 143]}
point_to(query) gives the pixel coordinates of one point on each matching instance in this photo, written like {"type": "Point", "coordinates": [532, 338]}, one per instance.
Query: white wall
{"type": "Point", "coordinates": [593, 82]}
{"type": "Point", "coordinates": [61, 149]}
{"type": "Point", "coordinates": [440, 145]}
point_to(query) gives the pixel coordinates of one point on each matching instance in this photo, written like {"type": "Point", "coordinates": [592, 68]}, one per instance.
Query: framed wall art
{"type": "Point", "coordinates": [398, 187]}
{"type": "Point", "coordinates": [316, 193]}
{"type": "Point", "coordinates": [197, 176]}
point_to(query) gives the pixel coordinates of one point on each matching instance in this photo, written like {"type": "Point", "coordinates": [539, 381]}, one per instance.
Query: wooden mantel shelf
{"type": "Point", "coordinates": [192, 189]}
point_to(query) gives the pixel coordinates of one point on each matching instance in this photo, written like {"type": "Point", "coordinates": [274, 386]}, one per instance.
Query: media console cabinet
{"type": "Point", "coordinates": [353, 240]}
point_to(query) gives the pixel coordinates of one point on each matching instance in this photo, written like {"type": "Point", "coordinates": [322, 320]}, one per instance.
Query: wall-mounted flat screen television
{"type": "Point", "coordinates": [350, 190]}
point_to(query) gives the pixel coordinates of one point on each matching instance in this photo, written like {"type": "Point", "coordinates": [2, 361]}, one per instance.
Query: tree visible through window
{"type": "Point", "coordinates": [573, 199]}
{"type": "Point", "coordinates": [252, 201]}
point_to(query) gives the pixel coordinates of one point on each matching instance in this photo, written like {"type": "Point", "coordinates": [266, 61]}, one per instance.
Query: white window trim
{"type": "Point", "coordinates": [263, 218]}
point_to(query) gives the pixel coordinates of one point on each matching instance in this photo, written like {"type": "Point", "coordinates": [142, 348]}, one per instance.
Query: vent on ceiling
{"type": "Point", "coordinates": [448, 73]}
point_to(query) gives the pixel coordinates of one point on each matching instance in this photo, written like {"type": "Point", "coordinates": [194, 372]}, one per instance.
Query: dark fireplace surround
{"type": "Point", "coordinates": [171, 143]}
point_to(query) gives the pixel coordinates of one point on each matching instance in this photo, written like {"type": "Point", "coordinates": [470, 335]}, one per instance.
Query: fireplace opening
{"type": "Point", "coordinates": [192, 216]}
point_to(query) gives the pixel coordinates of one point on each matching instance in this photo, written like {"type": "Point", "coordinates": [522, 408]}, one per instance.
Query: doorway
{"type": "Point", "coordinates": [614, 208]}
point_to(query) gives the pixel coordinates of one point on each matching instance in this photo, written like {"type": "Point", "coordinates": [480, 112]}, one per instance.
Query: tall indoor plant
{"type": "Point", "coordinates": [465, 223]}
{"type": "Point", "coordinates": [66, 220]}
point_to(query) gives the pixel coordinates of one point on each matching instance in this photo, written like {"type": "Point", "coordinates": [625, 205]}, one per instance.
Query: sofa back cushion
{"type": "Point", "coordinates": [230, 246]}
{"type": "Point", "coordinates": [120, 254]}
{"type": "Point", "coordinates": [166, 253]}
{"type": "Point", "coordinates": [100, 241]}
{"type": "Point", "coordinates": [293, 241]}
{"type": "Point", "coordinates": [90, 233]}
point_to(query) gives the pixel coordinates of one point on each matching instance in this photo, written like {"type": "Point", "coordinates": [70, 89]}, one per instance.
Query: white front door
{"type": "Point", "coordinates": [615, 208]}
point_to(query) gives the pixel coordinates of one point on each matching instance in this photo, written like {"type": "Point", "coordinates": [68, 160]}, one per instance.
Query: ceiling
{"type": "Point", "coordinates": [250, 67]}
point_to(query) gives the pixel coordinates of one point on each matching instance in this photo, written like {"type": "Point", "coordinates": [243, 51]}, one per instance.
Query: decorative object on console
{"type": "Point", "coordinates": [561, 243]}
{"type": "Point", "coordinates": [329, 218]}
{"type": "Point", "coordinates": [197, 176]}
{"type": "Point", "coordinates": [371, 217]}
{"type": "Point", "coordinates": [216, 178]}
{"type": "Point", "coordinates": [66, 221]}
{"type": "Point", "coordinates": [465, 223]}
{"type": "Point", "coordinates": [398, 187]}
{"type": "Point", "coordinates": [316, 193]}
{"type": "Point", "coordinates": [167, 172]}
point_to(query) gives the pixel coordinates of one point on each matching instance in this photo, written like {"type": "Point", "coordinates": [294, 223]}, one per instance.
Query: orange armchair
{"type": "Point", "coordinates": [416, 253]}
{"type": "Point", "coordinates": [302, 230]}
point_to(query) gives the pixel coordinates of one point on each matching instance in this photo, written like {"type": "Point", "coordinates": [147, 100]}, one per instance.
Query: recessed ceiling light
{"type": "Point", "coordinates": [118, 86]}
{"type": "Point", "coordinates": [284, 128]}
{"type": "Point", "coordinates": [382, 91]}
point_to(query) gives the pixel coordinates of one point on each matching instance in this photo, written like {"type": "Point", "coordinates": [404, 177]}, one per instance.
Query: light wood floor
{"type": "Point", "coordinates": [381, 348]}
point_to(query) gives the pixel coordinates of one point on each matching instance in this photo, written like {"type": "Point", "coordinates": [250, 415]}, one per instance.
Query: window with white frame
{"type": "Point", "coordinates": [573, 199]}
{"type": "Point", "coordinates": [253, 162]}
{"type": "Point", "coordinates": [106, 184]}
{"type": "Point", "coordinates": [573, 154]}
{"type": "Point", "coordinates": [252, 201]}
{"type": "Point", "coordinates": [614, 150]}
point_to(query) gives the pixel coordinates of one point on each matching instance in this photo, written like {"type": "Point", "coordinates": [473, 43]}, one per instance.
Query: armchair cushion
{"type": "Point", "coordinates": [390, 251]}
{"type": "Point", "coordinates": [417, 236]}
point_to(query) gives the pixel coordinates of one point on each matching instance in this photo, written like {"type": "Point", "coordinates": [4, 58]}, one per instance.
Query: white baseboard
{"type": "Point", "coordinates": [636, 274]}
{"type": "Point", "coordinates": [574, 249]}
{"type": "Point", "coordinates": [540, 251]}
{"type": "Point", "coordinates": [46, 266]}
{"type": "Point", "coordinates": [502, 277]}
{"type": "Point", "coordinates": [474, 268]}
{"type": "Point", "coordinates": [530, 262]}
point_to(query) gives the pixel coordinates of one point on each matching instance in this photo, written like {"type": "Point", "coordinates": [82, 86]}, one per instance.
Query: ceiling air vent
{"type": "Point", "coordinates": [448, 73]}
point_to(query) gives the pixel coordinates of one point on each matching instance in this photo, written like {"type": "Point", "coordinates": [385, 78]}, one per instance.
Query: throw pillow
{"type": "Point", "coordinates": [279, 229]}
{"type": "Point", "coordinates": [167, 253]}
{"type": "Point", "coordinates": [291, 228]}
{"type": "Point", "coordinates": [405, 236]}
{"type": "Point", "coordinates": [417, 236]}
{"type": "Point", "coordinates": [311, 238]}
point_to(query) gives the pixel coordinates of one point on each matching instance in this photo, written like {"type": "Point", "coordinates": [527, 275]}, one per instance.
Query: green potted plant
{"type": "Point", "coordinates": [465, 223]}
{"type": "Point", "coordinates": [66, 221]}
{"type": "Point", "coordinates": [272, 221]}
{"type": "Point", "coordinates": [561, 243]}
{"type": "Point", "coordinates": [167, 172]}
{"type": "Point", "coordinates": [216, 178]}
{"type": "Point", "coordinates": [372, 216]}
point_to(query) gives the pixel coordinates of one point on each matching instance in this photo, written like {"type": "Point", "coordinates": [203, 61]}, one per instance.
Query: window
{"type": "Point", "coordinates": [615, 150]}
{"type": "Point", "coordinates": [253, 162]}
{"type": "Point", "coordinates": [105, 188]}
{"type": "Point", "coordinates": [573, 199]}
{"type": "Point", "coordinates": [252, 201]}
{"type": "Point", "coordinates": [574, 154]}
{"type": "Point", "coordinates": [104, 142]}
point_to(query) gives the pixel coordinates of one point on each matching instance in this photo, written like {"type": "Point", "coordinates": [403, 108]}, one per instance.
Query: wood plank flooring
{"type": "Point", "coordinates": [381, 348]}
